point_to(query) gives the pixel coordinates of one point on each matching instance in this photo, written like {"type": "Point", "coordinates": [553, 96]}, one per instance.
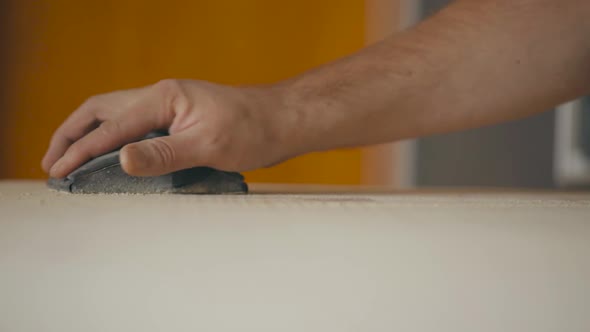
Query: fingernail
{"type": "Point", "coordinates": [56, 168]}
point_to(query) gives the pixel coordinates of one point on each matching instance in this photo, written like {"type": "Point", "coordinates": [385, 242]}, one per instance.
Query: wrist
{"type": "Point", "coordinates": [282, 120]}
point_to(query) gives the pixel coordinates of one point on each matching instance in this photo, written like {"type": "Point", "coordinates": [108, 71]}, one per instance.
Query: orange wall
{"type": "Point", "coordinates": [62, 51]}
{"type": "Point", "coordinates": [4, 24]}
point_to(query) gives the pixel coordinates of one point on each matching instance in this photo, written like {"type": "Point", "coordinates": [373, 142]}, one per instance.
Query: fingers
{"type": "Point", "coordinates": [159, 156]}
{"type": "Point", "coordinates": [78, 124]}
{"type": "Point", "coordinates": [87, 118]}
{"type": "Point", "coordinates": [109, 136]}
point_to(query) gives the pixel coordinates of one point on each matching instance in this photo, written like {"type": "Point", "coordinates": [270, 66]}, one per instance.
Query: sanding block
{"type": "Point", "coordinates": [104, 174]}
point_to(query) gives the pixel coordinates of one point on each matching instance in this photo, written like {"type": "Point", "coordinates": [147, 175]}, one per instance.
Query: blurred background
{"type": "Point", "coordinates": [57, 53]}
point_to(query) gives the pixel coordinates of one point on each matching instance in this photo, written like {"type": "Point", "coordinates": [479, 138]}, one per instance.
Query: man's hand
{"type": "Point", "coordinates": [232, 129]}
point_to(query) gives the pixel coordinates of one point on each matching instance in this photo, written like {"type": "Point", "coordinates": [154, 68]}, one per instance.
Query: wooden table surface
{"type": "Point", "coordinates": [356, 259]}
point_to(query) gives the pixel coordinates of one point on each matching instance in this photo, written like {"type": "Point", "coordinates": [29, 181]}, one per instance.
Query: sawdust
{"type": "Point", "coordinates": [35, 200]}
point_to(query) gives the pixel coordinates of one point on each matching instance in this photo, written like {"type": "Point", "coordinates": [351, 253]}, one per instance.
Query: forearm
{"type": "Point", "coordinates": [475, 63]}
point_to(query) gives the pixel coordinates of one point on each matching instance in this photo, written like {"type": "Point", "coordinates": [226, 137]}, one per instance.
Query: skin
{"type": "Point", "coordinates": [475, 63]}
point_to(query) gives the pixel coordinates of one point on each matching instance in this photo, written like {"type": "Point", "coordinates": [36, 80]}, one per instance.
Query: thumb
{"type": "Point", "coordinates": [156, 156]}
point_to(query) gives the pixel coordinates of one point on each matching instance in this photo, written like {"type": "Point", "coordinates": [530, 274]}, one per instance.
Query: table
{"type": "Point", "coordinates": [356, 259]}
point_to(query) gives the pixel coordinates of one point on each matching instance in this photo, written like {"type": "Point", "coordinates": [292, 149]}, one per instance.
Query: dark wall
{"type": "Point", "coordinates": [430, 7]}
{"type": "Point", "coordinates": [516, 154]}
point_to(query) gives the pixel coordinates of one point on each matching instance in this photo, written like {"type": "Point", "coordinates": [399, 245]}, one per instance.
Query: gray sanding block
{"type": "Point", "coordinates": [104, 174]}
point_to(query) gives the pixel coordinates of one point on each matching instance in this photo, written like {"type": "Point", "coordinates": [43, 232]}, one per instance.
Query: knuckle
{"type": "Point", "coordinates": [76, 151]}
{"type": "Point", "coordinates": [163, 151]}
{"type": "Point", "coordinates": [173, 99]}
{"type": "Point", "coordinates": [59, 136]}
{"type": "Point", "coordinates": [90, 102]}
{"type": "Point", "coordinates": [109, 128]}
{"type": "Point", "coordinates": [168, 86]}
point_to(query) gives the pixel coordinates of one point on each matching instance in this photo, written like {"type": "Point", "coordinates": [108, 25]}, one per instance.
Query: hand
{"type": "Point", "coordinates": [228, 128]}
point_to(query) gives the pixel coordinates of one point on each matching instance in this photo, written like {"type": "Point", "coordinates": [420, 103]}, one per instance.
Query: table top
{"type": "Point", "coordinates": [290, 258]}
{"type": "Point", "coordinates": [33, 199]}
